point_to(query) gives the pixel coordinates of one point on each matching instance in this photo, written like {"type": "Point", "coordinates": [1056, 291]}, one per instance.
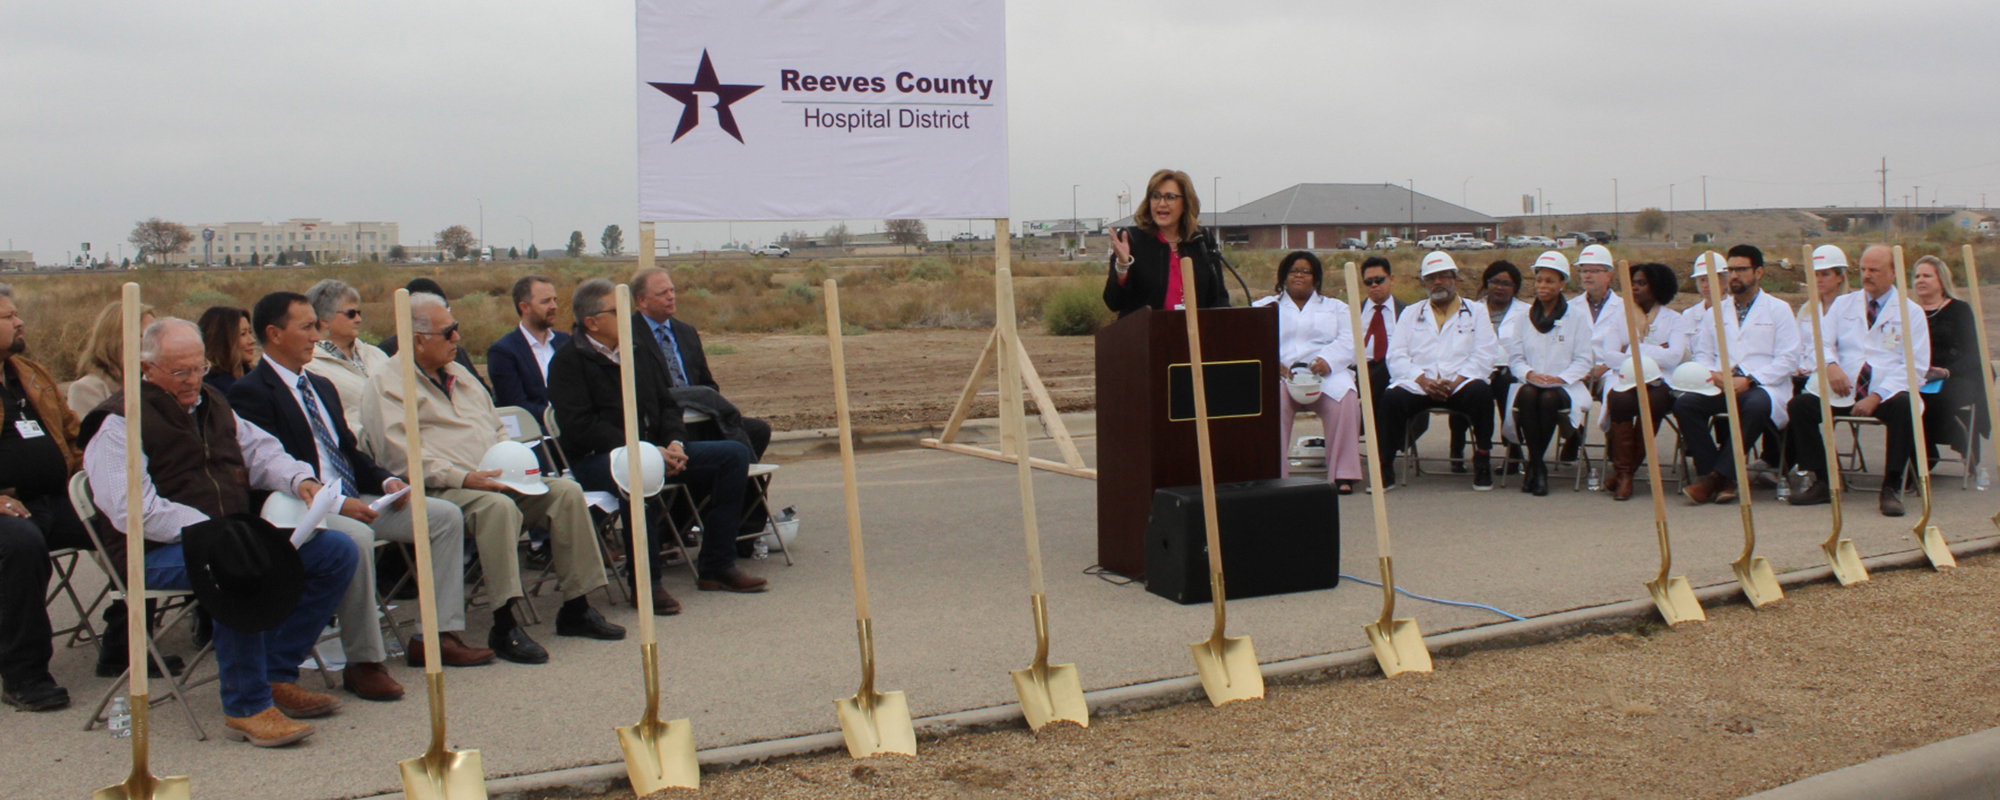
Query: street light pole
{"type": "Point", "coordinates": [1413, 207]}
{"type": "Point", "coordinates": [531, 229]}
{"type": "Point", "coordinates": [1074, 229]}
{"type": "Point", "coordinates": [1461, 191]}
{"type": "Point", "coordinates": [1614, 208]}
{"type": "Point", "coordinates": [482, 221]}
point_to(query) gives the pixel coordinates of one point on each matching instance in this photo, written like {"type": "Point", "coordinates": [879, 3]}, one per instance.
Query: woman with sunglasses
{"type": "Point", "coordinates": [342, 357]}
{"type": "Point", "coordinates": [1316, 335]}
{"type": "Point", "coordinates": [1550, 360]}
{"type": "Point", "coordinates": [1666, 341]}
{"type": "Point", "coordinates": [1146, 258]}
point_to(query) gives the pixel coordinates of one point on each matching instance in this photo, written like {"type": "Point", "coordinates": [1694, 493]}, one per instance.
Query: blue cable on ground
{"type": "Point", "coordinates": [1415, 596]}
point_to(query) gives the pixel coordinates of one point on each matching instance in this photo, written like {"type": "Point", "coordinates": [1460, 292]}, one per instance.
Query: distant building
{"type": "Point", "coordinates": [1319, 215]}
{"type": "Point", "coordinates": [236, 242]}
{"type": "Point", "coordinates": [14, 260]}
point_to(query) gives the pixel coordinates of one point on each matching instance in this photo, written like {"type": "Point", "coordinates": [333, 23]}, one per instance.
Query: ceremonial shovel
{"type": "Point", "coordinates": [1760, 584]}
{"type": "Point", "coordinates": [1840, 553]}
{"type": "Point", "coordinates": [1048, 693]}
{"type": "Point", "coordinates": [658, 755]}
{"type": "Point", "coordinates": [1985, 361]}
{"type": "Point", "coordinates": [872, 722]}
{"type": "Point", "coordinates": [1399, 646]}
{"type": "Point", "coordinates": [1927, 534]}
{"type": "Point", "coordinates": [438, 774]}
{"type": "Point", "coordinates": [140, 785]}
{"type": "Point", "coordinates": [1671, 593]}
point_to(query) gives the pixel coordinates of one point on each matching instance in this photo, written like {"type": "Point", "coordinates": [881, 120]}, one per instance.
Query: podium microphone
{"type": "Point", "coordinates": [1214, 244]}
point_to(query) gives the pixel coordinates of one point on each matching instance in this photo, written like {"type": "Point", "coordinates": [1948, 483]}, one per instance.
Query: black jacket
{"type": "Point", "coordinates": [263, 400]}
{"type": "Point", "coordinates": [687, 342]}
{"type": "Point", "coordinates": [590, 409]}
{"type": "Point", "coordinates": [1146, 283]}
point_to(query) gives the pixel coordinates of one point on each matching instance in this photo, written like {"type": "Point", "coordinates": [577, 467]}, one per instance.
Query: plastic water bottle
{"type": "Point", "coordinates": [118, 719]}
{"type": "Point", "coordinates": [1784, 487]}
{"type": "Point", "coordinates": [1985, 478]}
{"type": "Point", "coordinates": [761, 549]}
{"type": "Point", "coordinates": [392, 645]}
{"type": "Point", "coordinates": [1593, 481]}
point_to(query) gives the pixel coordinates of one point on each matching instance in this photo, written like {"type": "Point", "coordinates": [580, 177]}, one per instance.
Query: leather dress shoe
{"type": "Point", "coordinates": [299, 702]}
{"type": "Point", "coordinates": [733, 579]}
{"type": "Point", "coordinates": [1726, 492]}
{"type": "Point", "coordinates": [42, 695]}
{"type": "Point", "coordinates": [451, 649]}
{"type": "Point", "coordinates": [369, 680]}
{"type": "Point", "coordinates": [1892, 502]}
{"type": "Point", "coordinates": [1815, 493]}
{"type": "Point", "coordinates": [587, 623]}
{"type": "Point", "coordinates": [1702, 491]}
{"type": "Point", "coordinates": [664, 605]}
{"type": "Point", "coordinates": [513, 645]}
{"type": "Point", "coordinates": [268, 728]}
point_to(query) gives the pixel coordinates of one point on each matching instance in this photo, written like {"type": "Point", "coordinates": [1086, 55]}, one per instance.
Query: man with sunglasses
{"type": "Point", "coordinates": [1378, 309]}
{"type": "Point", "coordinates": [1440, 356]}
{"type": "Point", "coordinates": [1763, 353]}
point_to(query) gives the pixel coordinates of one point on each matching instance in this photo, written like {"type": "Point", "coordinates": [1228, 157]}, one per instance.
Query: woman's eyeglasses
{"type": "Point", "coordinates": [352, 313]}
{"type": "Point", "coordinates": [1168, 196]}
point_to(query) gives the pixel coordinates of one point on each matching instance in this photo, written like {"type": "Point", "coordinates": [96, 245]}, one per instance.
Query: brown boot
{"type": "Point", "coordinates": [299, 702]}
{"type": "Point", "coordinates": [268, 728]}
{"type": "Point", "coordinates": [369, 680]}
{"type": "Point", "coordinates": [1626, 450]}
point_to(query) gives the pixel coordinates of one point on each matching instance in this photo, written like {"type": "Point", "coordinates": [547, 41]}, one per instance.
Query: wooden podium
{"type": "Point", "coordinates": [1145, 425]}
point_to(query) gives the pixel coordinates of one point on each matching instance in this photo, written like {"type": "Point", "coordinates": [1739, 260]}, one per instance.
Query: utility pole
{"type": "Point", "coordinates": [1541, 211]}
{"type": "Point", "coordinates": [1704, 192]}
{"type": "Point", "coordinates": [531, 229]}
{"type": "Point", "coordinates": [1461, 191]}
{"type": "Point", "coordinates": [1073, 229]}
{"type": "Point", "coordinates": [1884, 172]}
{"type": "Point", "coordinates": [1413, 207]}
{"type": "Point", "coordinates": [482, 221]}
{"type": "Point", "coordinates": [1670, 212]}
{"type": "Point", "coordinates": [1614, 208]}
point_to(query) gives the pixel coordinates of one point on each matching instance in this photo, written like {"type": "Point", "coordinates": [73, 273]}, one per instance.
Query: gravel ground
{"type": "Point", "coordinates": [1749, 700]}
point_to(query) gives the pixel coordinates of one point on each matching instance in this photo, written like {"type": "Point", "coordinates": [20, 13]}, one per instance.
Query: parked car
{"type": "Point", "coordinates": [1387, 243]}
{"type": "Point", "coordinates": [772, 250]}
{"type": "Point", "coordinates": [1353, 244]}
{"type": "Point", "coordinates": [1434, 241]}
{"type": "Point", "coordinates": [1602, 237]}
{"type": "Point", "coordinates": [1474, 243]}
{"type": "Point", "coordinates": [1543, 242]}
{"type": "Point", "coordinates": [965, 236]}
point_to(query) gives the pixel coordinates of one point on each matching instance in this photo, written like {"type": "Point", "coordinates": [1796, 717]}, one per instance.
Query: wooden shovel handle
{"type": "Point", "coordinates": [406, 360]}
{"type": "Point", "coordinates": [1826, 430]}
{"type": "Point", "coordinates": [635, 469]}
{"type": "Point", "coordinates": [1013, 420]}
{"type": "Point", "coordinates": [1979, 330]}
{"type": "Point", "coordinates": [1716, 291]}
{"type": "Point", "coordinates": [830, 290]}
{"type": "Point", "coordinates": [1366, 384]}
{"type": "Point", "coordinates": [135, 506]}
{"type": "Point", "coordinates": [1910, 377]}
{"type": "Point", "coordinates": [1635, 336]}
{"type": "Point", "coordinates": [1201, 442]}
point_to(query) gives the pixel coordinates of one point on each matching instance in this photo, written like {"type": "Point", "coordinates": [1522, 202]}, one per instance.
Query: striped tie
{"type": "Point", "coordinates": [325, 439]}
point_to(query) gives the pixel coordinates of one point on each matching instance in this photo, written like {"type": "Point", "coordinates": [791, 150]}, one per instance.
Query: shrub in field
{"type": "Point", "coordinates": [1075, 310]}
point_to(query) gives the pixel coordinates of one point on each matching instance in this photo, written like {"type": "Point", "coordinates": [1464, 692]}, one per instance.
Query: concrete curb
{"type": "Point", "coordinates": [1953, 768]}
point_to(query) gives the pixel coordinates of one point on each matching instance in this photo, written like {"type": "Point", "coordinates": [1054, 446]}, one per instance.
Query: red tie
{"type": "Point", "coordinates": [1378, 332]}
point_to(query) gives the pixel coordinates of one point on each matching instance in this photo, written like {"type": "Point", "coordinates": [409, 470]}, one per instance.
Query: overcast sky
{"type": "Point", "coordinates": [237, 110]}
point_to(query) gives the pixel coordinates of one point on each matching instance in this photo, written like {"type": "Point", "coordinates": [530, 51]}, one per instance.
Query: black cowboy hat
{"type": "Point", "coordinates": [244, 571]}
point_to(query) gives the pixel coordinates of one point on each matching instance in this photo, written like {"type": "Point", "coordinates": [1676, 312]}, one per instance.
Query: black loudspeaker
{"type": "Point", "coordinates": [1278, 536]}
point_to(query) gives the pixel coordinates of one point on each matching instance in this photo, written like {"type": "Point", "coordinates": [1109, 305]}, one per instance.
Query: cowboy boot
{"type": "Point", "coordinates": [1625, 454]}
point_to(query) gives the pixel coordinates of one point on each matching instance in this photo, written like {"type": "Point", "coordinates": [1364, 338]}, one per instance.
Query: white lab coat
{"type": "Point", "coordinates": [1843, 323]}
{"type": "Point", "coordinates": [1323, 329]}
{"type": "Point", "coordinates": [1668, 339]}
{"type": "Point", "coordinates": [1508, 332]}
{"type": "Point", "coordinates": [1566, 352]}
{"type": "Point", "coordinates": [1607, 331]}
{"type": "Point", "coordinates": [1765, 347]}
{"type": "Point", "coordinates": [1883, 346]}
{"type": "Point", "coordinates": [1464, 346]}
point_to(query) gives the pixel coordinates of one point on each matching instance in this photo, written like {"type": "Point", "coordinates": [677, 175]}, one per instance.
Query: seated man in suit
{"type": "Point", "coordinates": [518, 363]}
{"type": "Point", "coordinates": [459, 426]}
{"type": "Point", "coordinates": [201, 463]}
{"type": "Point", "coordinates": [676, 347]}
{"type": "Point", "coordinates": [304, 413]}
{"type": "Point", "coordinates": [589, 406]}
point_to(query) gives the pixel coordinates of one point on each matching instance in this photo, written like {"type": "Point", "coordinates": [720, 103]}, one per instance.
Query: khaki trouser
{"type": "Point", "coordinates": [360, 624]}
{"type": "Point", "coordinates": [495, 521]}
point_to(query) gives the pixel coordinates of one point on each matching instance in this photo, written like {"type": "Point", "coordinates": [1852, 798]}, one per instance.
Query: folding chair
{"type": "Point", "coordinates": [553, 434]}
{"type": "Point", "coordinates": [758, 499]}
{"type": "Point", "coordinates": [172, 606]}
{"type": "Point", "coordinates": [522, 427]}
{"type": "Point", "coordinates": [1969, 463]}
{"type": "Point", "coordinates": [1415, 467]}
{"type": "Point", "coordinates": [65, 562]}
{"type": "Point", "coordinates": [1854, 463]}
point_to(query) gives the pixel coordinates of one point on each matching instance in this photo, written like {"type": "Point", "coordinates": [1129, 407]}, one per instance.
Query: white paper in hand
{"type": "Point", "coordinates": [381, 504]}
{"type": "Point", "coordinates": [323, 504]}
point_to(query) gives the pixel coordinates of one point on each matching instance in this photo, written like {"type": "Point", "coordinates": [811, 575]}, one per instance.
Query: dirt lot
{"type": "Point", "coordinates": [1747, 701]}
{"type": "Point", "coordinates": [896, 379]}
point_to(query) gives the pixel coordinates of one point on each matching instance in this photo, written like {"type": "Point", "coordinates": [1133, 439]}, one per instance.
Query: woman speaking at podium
{"type": "Point", "coordinates": [1145, 259]}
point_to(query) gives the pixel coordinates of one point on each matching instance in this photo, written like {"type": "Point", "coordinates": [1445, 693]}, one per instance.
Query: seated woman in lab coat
{"type": "Point", "coordinates": [1550, 360]}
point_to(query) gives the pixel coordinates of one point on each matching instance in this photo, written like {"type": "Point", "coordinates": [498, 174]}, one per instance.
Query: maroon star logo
{"type": "Point", "coordinates": [705, 81]}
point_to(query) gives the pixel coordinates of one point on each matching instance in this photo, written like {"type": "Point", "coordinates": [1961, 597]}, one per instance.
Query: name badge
{"type": "Point", "coordinates": [28, 428]}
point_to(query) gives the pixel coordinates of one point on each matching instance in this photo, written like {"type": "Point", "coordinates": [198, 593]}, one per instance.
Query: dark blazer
{"type": "Point", "coordinates": [589, 404]}
{"type": "Point", "coordinates": [263, 400]}
{"type": "Point", "coordinates": [687, 341]}
{"type": "Point", "coordinates": [516, 378]}
{"type": "Point", "coordinates": [1146, 283]}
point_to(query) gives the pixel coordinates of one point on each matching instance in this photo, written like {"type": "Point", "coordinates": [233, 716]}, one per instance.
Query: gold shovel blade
{"type": "Point", "coordinates": [1675, 598]}
{"type": "Point", "coordinates": [1760, 584]}
{"type": "Point", "coordinates": [1846, 562]}
{"type": "Point", "coordinates": [174, 788]}
{"type": "Point", "coordinates": [1228, 669]}
{"type": "Point", "coordinates": [1399, 647]}
{"type": "Point", "coordinates": [881, 726]}
{"type": "Point", "coordinates": [660, 756]}
{"type": "Point", "coordinates": [1056, 695]}
{"type": "Point", "coordinates": [1936, 550]}
{"type": "Point", "coordinates": [458, 775]}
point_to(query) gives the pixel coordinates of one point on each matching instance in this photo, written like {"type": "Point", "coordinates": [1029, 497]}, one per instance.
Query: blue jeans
{"type": "Point", "coordinates": [720, 468]}
{"type": "Point", "coordinates": [251, 662]}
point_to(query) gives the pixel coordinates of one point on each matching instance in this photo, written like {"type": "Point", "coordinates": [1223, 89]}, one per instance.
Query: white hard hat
{"type": "Point", "coordinates": [1626, 379]}
{"type": "Point", "coordinates": [1438, 261]}
{"type": "Point", "coordinates": [651, 464]}
{"type": "Point", "coordinates": [1701, 263]}
{"type": "Point", "coordinates": [1304, 387]}
{"type": "Point", "coordinates": [1554, 260]}
{"type": "Point", "coordinates": [1829, 256]}
{"type": "Point", "coordinates": [519, 470]}
{"type": "Point", "coordinates": [283, 510]}
{"type": "Point", "coordinates": [1693, 377]}
{"type": "Point", "coordinates": [1595, 254]}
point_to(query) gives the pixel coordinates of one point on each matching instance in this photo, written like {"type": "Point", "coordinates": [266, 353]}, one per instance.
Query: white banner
{"type": "Point", "coordinates": [822, 109]}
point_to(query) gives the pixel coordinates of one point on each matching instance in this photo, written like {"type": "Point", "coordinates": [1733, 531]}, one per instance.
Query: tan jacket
{"type": "Point", "coordinates": [47, 397]}
{"type": "Point", "coordinates": [86, 392]}
{"type": "Point", "coordinates": [457, 430]}
{"type": "Point", "coordinates": [350, 381]}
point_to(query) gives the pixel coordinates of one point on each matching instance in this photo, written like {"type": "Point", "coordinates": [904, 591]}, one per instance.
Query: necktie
{"type": "Point", "coordinates": [1861, 379]}
{"type": "Point", "coordinates": [1378, 332]}
{"type": "Point", "coordinates": [325, 437]}
{"type": "Point", "coordinates": [673, 354]}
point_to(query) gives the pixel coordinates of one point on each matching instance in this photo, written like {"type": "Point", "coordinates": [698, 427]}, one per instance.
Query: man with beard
{"type": "Point", "coordinates": [1440, 356]}
{"type": "Point", "coordinates": [1763, 354]}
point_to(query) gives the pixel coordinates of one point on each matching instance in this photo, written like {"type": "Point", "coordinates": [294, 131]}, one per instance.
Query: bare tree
{"type": "Point", "coordinates": [837, 236]}
{"type": "Point", "coordinates": [906, 232]}
{"type": "Point", "coordinates": [158, 238]}
{"type": "Point", "coordinates": [613, 240]}
{"type": "Point", "coordinates": [456, 240]}
{"type": "Point", "coordinates": [1838, 223]}
{"type": "Point", "coordinates": [793, 238]}
{"type": "Point", "coordinates": [1513, 226]}
{"type": "Point", "coordinates": [1650, 222]}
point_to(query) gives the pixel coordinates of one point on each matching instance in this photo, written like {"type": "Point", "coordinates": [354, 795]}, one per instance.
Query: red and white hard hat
{"type": "Point", "coordinates": [519, 469]}
{"type": "Point", "coordinates": [1829, 256]}
{"type": "Point", "coordinates": [1552, 259]}
{"type": "Point", "coordinates": [1594, 254]}
{"type": "Point", "coordinates": [1437, 261]}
